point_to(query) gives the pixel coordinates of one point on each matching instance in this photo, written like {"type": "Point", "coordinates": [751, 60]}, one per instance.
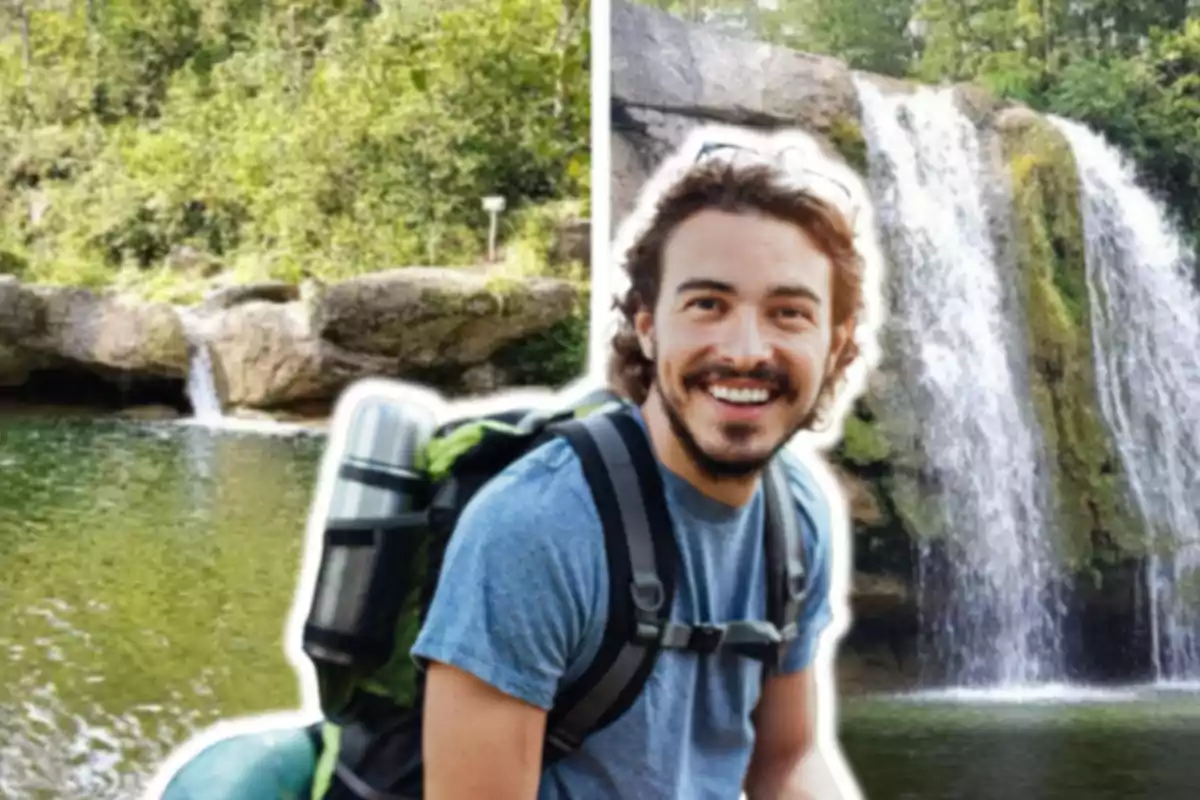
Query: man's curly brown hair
{"type": "Point", "coordinates": [739, 190]}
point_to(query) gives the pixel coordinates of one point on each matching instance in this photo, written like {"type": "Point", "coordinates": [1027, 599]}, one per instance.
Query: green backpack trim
{"type": "Point", "coordinates": [331, 739]}
{"type": "Point", "coordinates": [441, 453]}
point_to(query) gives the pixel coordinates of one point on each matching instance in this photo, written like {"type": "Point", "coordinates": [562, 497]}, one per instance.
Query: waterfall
{"type": "Point", "coordinates": [987, 579]}
{"type": "Point", "coordinates": [201, 386]}
{"type": "Point", "coordinates": [1145, 314]}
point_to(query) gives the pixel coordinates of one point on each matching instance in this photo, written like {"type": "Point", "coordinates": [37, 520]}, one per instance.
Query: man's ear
{"type": "Point", "coordinates": [643, 325]}
{"type": "Point", "coordinates": [840, 351]}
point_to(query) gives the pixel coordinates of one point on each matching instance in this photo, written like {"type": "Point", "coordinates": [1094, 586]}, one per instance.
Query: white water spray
{"type": "Point", "coordinates": [201, 386]}
{"type": "Point", "coordinates": [1145, 314]}
{"type": "Point", "coordinates": [989, 604]}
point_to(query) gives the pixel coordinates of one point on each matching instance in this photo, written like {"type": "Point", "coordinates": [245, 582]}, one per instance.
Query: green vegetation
{"type": "Point", "coordinates": [1094, 521]}
{"type": "Point", "coordinates": [554, 357]}
{"type": "Point", "coordinates": [846, 136]}
{"type": "Point", "coordinates": [152, 143]}
{"type": "Point", "coordinates": [861, 443]}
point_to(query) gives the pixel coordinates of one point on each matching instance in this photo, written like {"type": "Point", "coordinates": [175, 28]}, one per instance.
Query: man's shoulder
{"type": "Point", "coordinates": [550, 470]}
{"type": "Point", "coordinates": [810, 489]}
{"type": "Point", "coordinates": [543, 493]}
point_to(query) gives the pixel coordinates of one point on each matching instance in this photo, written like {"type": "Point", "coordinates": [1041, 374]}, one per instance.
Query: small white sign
{"type": "Point", "coordinates": [493, 203]}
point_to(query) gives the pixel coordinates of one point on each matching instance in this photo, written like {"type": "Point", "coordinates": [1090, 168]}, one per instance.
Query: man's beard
{"type": "Point", "coordinates": [717, 468]}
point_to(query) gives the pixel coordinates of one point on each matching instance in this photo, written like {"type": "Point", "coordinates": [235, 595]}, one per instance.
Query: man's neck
{"type": "Point", "coordinates": [671, 452]}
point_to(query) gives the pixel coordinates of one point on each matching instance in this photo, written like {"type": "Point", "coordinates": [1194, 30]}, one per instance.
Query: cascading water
{"type": "Point", "coordinates": [988, 601]}
{"type": "Point", "coordinates": [1145, 314]}
{"type": "Point", "coordinates": [201, 388]}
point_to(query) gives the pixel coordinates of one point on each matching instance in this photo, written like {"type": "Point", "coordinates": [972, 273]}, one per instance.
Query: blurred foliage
{"type": "Point", "coordinates": [148, 142]}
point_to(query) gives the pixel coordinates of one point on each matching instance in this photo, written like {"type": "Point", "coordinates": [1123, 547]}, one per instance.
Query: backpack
{"type": "Point", "coordinates": [381, 562]}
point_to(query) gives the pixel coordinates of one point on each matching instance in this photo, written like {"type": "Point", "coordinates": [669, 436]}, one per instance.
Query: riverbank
{"type": "Point", "coordinates": [285, 352]}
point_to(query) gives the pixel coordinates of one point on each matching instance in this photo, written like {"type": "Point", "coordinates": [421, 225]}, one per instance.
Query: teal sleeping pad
{"type": "Point", "coordinates": [269, 765]}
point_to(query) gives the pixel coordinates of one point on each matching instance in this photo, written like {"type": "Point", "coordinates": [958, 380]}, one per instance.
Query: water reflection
{"type": "Point", "coordinates": [146, 573]}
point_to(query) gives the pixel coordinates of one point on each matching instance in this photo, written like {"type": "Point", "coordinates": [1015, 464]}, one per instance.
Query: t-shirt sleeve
{"type": "Point", "coordinates": [518, 586]}
{"type": "Point", "coordinates": [816, 612]}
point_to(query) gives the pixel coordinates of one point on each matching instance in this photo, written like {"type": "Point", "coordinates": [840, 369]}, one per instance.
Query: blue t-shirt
{"type": "Point", "coordinates": [523, 599]}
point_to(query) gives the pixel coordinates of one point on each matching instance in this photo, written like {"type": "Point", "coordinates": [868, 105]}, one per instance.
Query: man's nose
{"type": "Point", "coordinates": [745, 343]}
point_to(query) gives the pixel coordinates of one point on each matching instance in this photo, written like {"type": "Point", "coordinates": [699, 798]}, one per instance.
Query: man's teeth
{"type": "Point", "coordinates": [739, 395]}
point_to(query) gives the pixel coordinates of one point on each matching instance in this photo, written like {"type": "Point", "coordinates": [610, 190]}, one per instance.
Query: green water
{"type": "Point", "coordinates": [145, 577]}
{"type": "Point", "coordinates": [146, 573]}
{"type": "Point", "coordinates": [1148, 746]}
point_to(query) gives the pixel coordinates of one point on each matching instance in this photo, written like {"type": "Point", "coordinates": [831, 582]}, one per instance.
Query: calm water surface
{"type": "Point", "coordinates": [146, 572]}
{"type": "Point", "coordinates": [145, 576]}
{"type": "Point", "coordinates": [1146, 744]}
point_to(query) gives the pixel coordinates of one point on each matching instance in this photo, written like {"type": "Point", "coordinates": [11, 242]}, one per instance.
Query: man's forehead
{"type": "Point", "coordinates": [749, 233]}
{"type": "Point", "coordinates": [729, 259]}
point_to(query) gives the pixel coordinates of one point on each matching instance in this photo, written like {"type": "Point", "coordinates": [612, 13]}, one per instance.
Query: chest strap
{"type": "Point", "coordinates": [643, 559]}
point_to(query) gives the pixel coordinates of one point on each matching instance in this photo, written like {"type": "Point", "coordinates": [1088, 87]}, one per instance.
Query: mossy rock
{"type": "Point", "coordinates": [920, 514]}
{"type": "Point", "coordinates": [846, 136]}
{"type": "Point", "coordinates": [862, 442]}
{"type": "Point", "coordinates": [551, 358]}
{"type": "Point", "coordinates": [1092, 513]}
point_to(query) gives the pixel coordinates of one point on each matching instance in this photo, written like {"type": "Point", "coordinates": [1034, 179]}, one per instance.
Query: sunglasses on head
{"type": "Point", "coordinates": [820, 185]}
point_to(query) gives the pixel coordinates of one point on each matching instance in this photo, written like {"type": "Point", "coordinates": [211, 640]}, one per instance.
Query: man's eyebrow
{"type": "Point", "coordinates": [710, 285]}
{"type": "Point", "coordinates": [705, 284]}
{"type": "Point", "coordinates": [793, 291]}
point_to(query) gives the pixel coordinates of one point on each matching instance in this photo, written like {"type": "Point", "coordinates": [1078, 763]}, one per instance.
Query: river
{"type": "Point", "coordinates": [146, 571]}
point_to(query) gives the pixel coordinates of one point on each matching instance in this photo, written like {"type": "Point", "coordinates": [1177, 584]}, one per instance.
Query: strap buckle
{"type": "Point", "coordinates": [648, 596]}
{"type": "Point", "coordinates": [706, 638]}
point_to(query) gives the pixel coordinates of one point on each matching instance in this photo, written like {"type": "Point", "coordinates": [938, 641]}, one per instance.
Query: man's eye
{"type": "Point", "coordinates": [792, 313]}
{"type": "Point", "coordinates": [706, 303]}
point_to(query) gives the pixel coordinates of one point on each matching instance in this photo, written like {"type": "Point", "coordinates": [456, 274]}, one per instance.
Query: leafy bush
{"type": "Point", "coordinates": [280, 139]}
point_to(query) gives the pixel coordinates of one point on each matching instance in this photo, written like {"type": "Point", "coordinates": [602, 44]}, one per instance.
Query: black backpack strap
{"type": "Point", "coordinates": [787, 583]}
{"type": "Point", "coordinates": [767, 641]}
{"type": "Point", "coordinates": [642, 563]}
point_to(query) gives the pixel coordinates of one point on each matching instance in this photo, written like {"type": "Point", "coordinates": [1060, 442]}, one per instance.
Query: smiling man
{"type": "Point", "coordinates": [738, 327]}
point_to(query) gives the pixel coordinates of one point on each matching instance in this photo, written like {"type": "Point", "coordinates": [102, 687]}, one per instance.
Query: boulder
{"type": "Point", "coordinates": [22, 319]}
{"type": "Point", "coordinates": [572, 242]}
{"type": "Point", "coordinates": [271, 355]}
{"type": "Point", "coordinates": [273, 345]}
{"type": "Point", "coordinates": [22, 312]}
{"type": "Point", "coordinates": [421, 317]}
{"type": "Point", "coordinates": [662, 62]}
{"type": "Point", "coordinates": [268, 355]}
{"type": "Point", "coordinates": [236, 294]}
{"type": "Point", "coordinates": [103, 332]}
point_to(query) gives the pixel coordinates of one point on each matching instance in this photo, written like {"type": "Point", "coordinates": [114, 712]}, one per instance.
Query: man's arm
{"type": "Point", "coordinates": [787, 763]}
{"type": "Point", "coordinates": [516, 599]}
{"type": "Point", "coordinates": [785, 731]}
{"type": "Point", "coordinates": [478, 741]}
